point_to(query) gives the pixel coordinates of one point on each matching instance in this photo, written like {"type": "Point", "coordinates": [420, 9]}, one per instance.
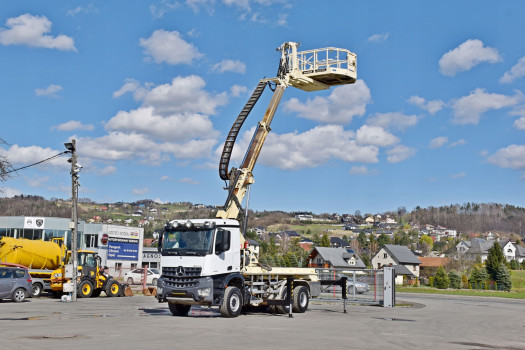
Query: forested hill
{"type": "Point", "coordinates": [472, 217]}
{"type": "Point", "coordinates": [466, 218]}
{"type": "Point", "coordinates": [34, 206]}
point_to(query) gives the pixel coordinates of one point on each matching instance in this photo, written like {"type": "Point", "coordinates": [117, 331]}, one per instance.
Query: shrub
{"type": "Point", "coordinates": [464, 281]}
{"type": "Point", "coordinates": [503, 278]}
{"type": "Point", "coordinates": [455, 280]}
{"type": "Point", "coordinates": [441, 280]}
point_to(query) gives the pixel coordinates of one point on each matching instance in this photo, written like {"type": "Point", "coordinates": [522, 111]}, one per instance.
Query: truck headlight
{"type": "Point", "coordinates": [204, 292]}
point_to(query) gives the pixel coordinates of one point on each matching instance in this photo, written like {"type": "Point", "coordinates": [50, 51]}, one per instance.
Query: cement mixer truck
{"type": "Point", "coordinates": [47, 261]}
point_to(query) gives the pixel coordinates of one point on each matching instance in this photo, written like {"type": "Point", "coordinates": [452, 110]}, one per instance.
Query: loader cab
{"type": "Point", "coordinates": [87, 261]}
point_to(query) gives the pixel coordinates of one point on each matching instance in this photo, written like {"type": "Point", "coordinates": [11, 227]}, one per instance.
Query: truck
{"type": "Point", "coordinates": [209, 262]}
{"type": "Point", "coordinates": [47, 262]}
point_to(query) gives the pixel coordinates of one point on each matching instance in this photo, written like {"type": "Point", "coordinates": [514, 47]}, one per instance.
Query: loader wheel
{"type": "Point", "coordinates": [300, 299]}
{"type": "Point", "coordinates": [85, 289]}
{"type": "Point", "coordinates": [179, 310]}
{"type": "Point", "coordinates": [231, 303]}
{"type": "Point", "coordinates": [113, 289]}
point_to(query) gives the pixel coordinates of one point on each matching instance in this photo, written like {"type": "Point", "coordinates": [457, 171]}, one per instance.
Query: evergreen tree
{"type": "Point", "coordinates": [494, 260]}
{"type": "Point", "coordinates": [441, 281]}
{"type": "Point", "coordinates": [503, 278]}
{"type": "Point", "coordinates": [361, 238]}
{"type": "Point", "coordinates": [325, 241]}
{"type": "Point", "coordinates": [455, 280]}
{"type": "Point", "coordinates": [383, 239]}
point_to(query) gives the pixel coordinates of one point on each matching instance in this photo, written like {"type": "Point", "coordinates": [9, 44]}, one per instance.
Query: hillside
{"type": "Point", "coordinates": [466, 218]}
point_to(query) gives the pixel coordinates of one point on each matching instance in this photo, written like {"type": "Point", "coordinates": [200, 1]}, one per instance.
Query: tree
{"type": "Point", "coordinates": [5, 165]}
{"type": "Point", "coordinates": [503, 278]}
{"type": "Point", "coordinates": [383, 239]}
{"type": "Point", "coordinates": [427, 242]}
{"type": "Point", "coordinates": [441, 281]}
{"type": "Point", "coordinates": [455, 280]}
{"type": "Point", "coordinates": [494, 260]}
{"type": "Point", "coordinates": [514, 265]}
{"type": "Point", "coordinates": [361, 238]}
{"type": "Point", "coordinates": [325, 241]}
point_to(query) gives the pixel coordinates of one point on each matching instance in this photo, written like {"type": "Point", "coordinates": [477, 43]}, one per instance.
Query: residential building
{"type": "Point", "coordinates": [334, 258]}
{"type": "Point", "coordinates": [401, 258]}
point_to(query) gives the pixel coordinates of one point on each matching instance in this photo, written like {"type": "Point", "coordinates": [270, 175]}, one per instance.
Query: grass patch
{"type": "Point", "coordinates": [468, 292]}
{"type": "Point", "coordinates": [518, 280]}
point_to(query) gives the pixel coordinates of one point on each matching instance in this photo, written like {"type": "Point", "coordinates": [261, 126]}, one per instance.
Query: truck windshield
{"type": "Point", "coordinates": [196, 242]}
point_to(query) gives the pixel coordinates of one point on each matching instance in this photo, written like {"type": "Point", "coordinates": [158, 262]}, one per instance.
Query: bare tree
{"type": "Point", "coordinates": [5, 165]}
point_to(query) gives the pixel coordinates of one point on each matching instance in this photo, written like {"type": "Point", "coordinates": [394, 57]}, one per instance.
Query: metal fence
{"type": "Point", "coordinates": [363, 286]}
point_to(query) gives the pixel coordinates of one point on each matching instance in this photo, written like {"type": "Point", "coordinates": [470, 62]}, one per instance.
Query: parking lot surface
{"type": "Point", "coordinates": [139, 322]}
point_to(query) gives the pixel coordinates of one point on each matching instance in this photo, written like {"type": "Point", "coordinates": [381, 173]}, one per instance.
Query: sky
{"type": "Point", "coordinates": [150, 89]}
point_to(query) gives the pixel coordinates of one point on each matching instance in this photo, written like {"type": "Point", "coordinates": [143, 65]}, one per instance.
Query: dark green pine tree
{"type": "Point", "coordinates": [441, 281]}
{"type": "Point", "coordinates": [494, 260]}
{"type": "Point", "coordinates": [503, 278]}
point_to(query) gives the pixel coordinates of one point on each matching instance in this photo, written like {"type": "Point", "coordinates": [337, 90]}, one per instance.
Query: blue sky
{"type": "Point", "coordinates": [150, 89]}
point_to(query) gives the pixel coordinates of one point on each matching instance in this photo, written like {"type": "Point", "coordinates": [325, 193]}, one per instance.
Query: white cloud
{"type": "Point", "coordinates": [165, 178]}
{"type": "Point", "coordinates": [32, 154]}
{"type": "Point", "coordinates": [72, 125]}
{"type": "Point", "coordinates": [140, 191]}
{"type": "Point", "coordinates": [130, 85]}
{"type": "Point", "coordinates": [184, 95]}
{"type": "Point", "coordinates": [381, 37]}
{"type": "Point", "coordinates": [467, 55]}
{"type": "Point", "coordinates": [468, 109]}
{"type": "Point", "coordinates": [189, 181]}
{"type": "Point", "coordinates": [36, 181]}
{"type": "Point", "coordinates": [458, 175]}
{"type": "Point", "coordinates": [392, 121]}
{"type": "Point", "coordinates": [31, 31]}
{"type": "Point", "coordinates": [430, 106]}
{"type": "Point", "coordinates": [400, 153]}
{"type": "Point", "coordinates": [50, 91]}
{"type": "Point", "coordinates": [459, 142]}
{"type": "Point", "coordinates": [520, 123]}
{"type": "Point", "coordinates": [517, 71]}
{"type": "Point", "coordinates": [438, 142]}
{"type": "Point", "coordinates": [358, 170]}
{"type": "Point", "coordinates": [512, 156]}
{"type": "Point", "coordinates": [315, 147]}
{"type": "Point", "coordinates": [7, 192]}
{"type": "Point", "coordinates": [375, 135]}
{"type": "Point", "coordinates": [169, 47]}
{"type": "Point", "coordinates": [339, 107]}
{"type": "Point", "coordinates": [238, 90]}
{"type": "Point", "coordinates": [159, 9]}
{"type": "Point", "coordinates": [234, 66]}
{"type": "Point", "coordinates": [106, 171]}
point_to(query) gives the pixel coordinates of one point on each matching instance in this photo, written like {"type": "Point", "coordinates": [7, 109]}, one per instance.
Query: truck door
{"type": "Point", "coordinates": [223, 256]}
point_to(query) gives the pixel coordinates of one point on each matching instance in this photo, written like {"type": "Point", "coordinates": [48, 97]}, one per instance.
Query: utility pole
{"type": "Point", "coordinates": [75, 169]}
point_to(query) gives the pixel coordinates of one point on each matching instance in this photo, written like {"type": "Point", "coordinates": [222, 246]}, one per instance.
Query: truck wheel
{"type": "Point", "coordinates": [36, 290]}
{"type": "Point", "coordinates": [179, 310]}
{"type": "Point", "coordinates": [300, 299]}
{"type": "Point", "coordinates": [113, 289]}
{"type": "Point", "coordinates": [19, 295]}
{"type": "Point", "coordinates": [85, 289]}
{"type": "Point", "coordinates": [231, 303]}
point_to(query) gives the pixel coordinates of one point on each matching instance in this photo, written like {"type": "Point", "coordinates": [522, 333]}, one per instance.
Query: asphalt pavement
{"type": "Point", "coordinates": [140, 322]}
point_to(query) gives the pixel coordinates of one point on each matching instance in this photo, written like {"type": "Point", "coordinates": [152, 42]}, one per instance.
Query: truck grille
{"type": "Point", "coordinates": [181, 277]}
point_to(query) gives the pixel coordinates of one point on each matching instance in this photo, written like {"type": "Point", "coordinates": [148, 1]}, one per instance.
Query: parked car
{"type": "Point", "coordinates": [135, 276]}
{"type": "Point", "coordinates": [15, 284]}
{"type": "Point", "coordinates": [360, 287]}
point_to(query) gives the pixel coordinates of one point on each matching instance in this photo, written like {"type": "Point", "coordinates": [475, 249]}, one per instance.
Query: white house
{"type": "Point", "coordinates": [401, 258]}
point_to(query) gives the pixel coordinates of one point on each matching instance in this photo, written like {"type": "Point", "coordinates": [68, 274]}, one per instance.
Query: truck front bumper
{"type": "Point", "coordinates": [200, 294]}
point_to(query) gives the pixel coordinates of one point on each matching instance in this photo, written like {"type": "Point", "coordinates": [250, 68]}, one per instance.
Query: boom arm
{"type": "Point", "coordinates": [307, 70]}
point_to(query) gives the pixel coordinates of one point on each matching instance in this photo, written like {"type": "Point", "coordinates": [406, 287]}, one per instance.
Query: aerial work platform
{"type": "Point", "coordinates": [317, 69]}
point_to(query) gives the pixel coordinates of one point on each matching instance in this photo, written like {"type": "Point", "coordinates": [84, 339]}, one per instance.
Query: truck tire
{"type": "Point", "coordinates": [300, 299]}
{"type": "Point", "coordinates": [36, 289]}
{"type": "Point", "coordinates": [85, 289]}
{"type": "Point", "coordinates": [113, 289]}
{"type": "Point", "coordinates": [19, 295]}
{"type": "Point", "coordinates": [179, 310]}
{"type": "Point", "coordinates": [231, 303]}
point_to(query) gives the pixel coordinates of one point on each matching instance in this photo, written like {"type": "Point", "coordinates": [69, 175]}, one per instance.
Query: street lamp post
{"type": "Point", "coordinates": [75, 169]}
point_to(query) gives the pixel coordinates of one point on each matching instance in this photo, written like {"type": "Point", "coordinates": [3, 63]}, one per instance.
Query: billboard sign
{"type": "Point", "coordinates": [123, 243]}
